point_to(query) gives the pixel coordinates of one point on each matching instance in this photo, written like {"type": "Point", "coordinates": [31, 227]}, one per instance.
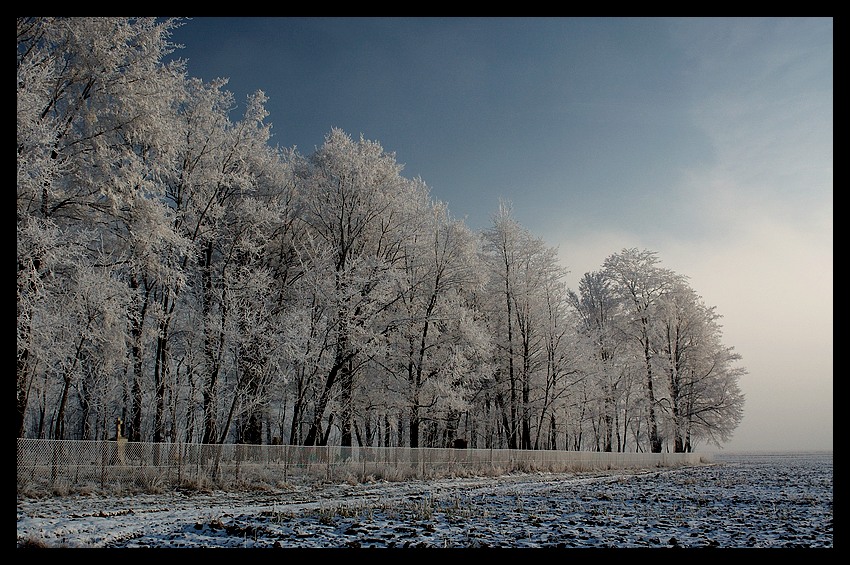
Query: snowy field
{"type": "Point", "coordinates": [738, 501]}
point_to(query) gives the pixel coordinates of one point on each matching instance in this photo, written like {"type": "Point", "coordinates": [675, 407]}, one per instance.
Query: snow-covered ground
{"type": "Point", "coordinates": [740, 500]}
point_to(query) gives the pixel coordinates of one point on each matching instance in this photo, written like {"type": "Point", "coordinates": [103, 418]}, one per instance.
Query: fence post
{"type": "Point", "coordinates": [122, 450]}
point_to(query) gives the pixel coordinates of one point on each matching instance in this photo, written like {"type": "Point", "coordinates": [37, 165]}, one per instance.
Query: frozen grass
{"type": "Point", "coordinates": [746, 500]}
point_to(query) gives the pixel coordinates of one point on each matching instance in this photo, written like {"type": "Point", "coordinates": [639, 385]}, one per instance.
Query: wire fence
{"type": "Point", "coordinates": [66, 466]}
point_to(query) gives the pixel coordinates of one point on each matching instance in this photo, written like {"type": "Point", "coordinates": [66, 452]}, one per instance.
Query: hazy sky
{"type": "Point", "coordinates": [706, 140]}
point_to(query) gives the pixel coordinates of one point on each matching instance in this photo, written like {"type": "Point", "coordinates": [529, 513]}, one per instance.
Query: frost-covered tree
{"type": "Point", "coordinates": [714, 403]}
{"type": "Point", "coordinates": [308, 330]}
{"type": "Point", "coordinates": [502, 252]}
{"type": "Point", "coordinates": [175, 269]}
{"type": "Point", "coordinates": [524, 274]}
{"type": "Point", "coordinates": [700, 371]}
{"type": "Point", "coordinates": [563, 357]}
{"type": "Point", "coordinates": [538, 290]}
{"type": "Point", "coordinates": [679, 322]}
{"type": "Point", "coordinates": [599, 314]}
{"type": "Point", "coordinates": [91, 92]}
{"type": "Point", "coordinates": [215, 164]}
{"type": "Point", "coordinates": [640, 283]}
{"type": "Point", "coordinates": [354, 214]}
{"type": "Point", "coordinates": [89, 322]}
{"type": "Point", "coordinates": [434, 345]}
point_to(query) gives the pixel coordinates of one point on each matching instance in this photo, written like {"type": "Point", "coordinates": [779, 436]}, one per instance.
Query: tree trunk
{"type": "Point", "coordinates": [23, 384]}
{"type": "Point", "coordinates": [414, 426]}
{"type": "Point", "coordinates": [160, 375]}
{"type": "Point", "coordinates": [136, 325]}
{"type": "Point", "coordinates": [24, 371]}
{"type": "Point", "coordinates": [526, 396]}
{"type": "Point", "coordinates": [655, 443]}
{"type": "Point", "coordinates": [59, 431]}
{"type": "Point", "coordinates": [347, 386]}
{"type": "Point", "coordinates": [298, 408]}
{"type": "Point", "coordinates": [252, 432]}
{"type": "Point", "coordinates": [314, 432]}
{"type": "Point", "coordinates": [212, 349]}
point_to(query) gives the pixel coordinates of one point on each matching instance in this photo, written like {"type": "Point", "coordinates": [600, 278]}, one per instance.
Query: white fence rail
{"type": "Point", "coordinates": [63, 466]}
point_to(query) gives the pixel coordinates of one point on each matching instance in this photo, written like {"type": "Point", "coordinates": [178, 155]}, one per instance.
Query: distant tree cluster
{"type": "Point", "coordinates": [176, 270]}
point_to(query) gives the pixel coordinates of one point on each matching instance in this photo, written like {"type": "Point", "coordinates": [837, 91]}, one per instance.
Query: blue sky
{"type": "Point", "coordinates": [707, 140]}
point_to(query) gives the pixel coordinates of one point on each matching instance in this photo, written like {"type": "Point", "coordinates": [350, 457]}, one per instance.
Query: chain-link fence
{"type": "Point", "coordinates": [64, 466]}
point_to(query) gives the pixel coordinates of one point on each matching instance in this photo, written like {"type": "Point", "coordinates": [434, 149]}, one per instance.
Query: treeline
{"type": "Point", "coordinates": [177, 271]}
